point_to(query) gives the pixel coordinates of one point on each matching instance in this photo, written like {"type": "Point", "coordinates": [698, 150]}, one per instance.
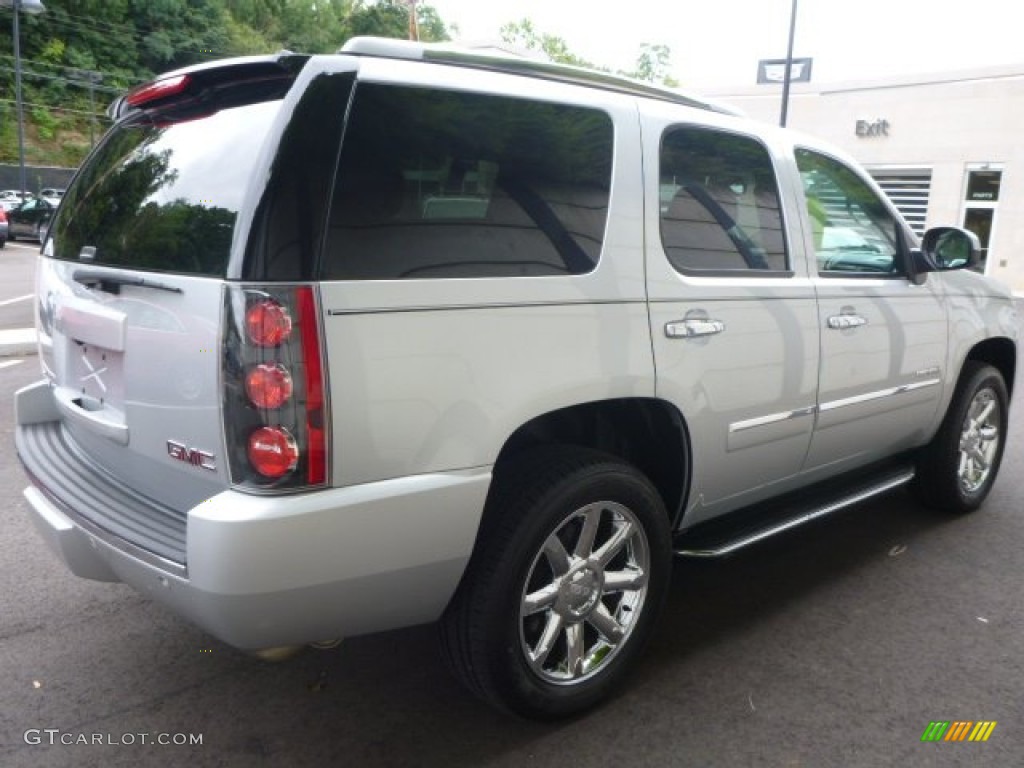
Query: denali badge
{"type": "Point", "coordinates": [193, 456]}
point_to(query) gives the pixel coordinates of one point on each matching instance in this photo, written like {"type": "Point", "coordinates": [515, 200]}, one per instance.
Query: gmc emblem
{"type": "Point", "coordinates": [193, 456]}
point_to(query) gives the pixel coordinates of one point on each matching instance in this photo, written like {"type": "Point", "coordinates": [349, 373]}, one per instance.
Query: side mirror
{"type": "Point", "coordinates": [951, 248]}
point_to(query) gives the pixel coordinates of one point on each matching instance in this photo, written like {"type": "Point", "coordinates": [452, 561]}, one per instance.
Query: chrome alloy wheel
{"type": "Point", "coordinates": [979, 440]}
{"type": "Point", "coordinates": [583, 593]}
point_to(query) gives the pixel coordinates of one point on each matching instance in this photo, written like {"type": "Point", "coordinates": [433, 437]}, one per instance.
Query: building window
{"type": "Point", "coordinates": [983, 186]}
{"type": "Point", "coordinates": [981, 198]}
{"type": "Point", "coordinates": [908, 189]}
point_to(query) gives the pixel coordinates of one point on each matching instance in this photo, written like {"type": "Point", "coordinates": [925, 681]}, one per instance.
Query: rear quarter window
{"type": "Point", "coordinates": [440, 184]}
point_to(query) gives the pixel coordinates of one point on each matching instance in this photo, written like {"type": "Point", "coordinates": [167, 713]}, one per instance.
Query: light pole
{"type": "Point", "coordinates": [789, 68]}
{"type": "Point", "coordinates": [31, 7]}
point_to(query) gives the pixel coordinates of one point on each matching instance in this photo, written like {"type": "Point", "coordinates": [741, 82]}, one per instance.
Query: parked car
{"type": "Point", "coordinates": [484, 342]}
{"type": "Point", "coordinates": [30, 219]}
{"type": "Point", "coordinates": [11, 198]}
{"type": "Point", "coordinates": [52, 195]}
{"type": "Point", "coordinates": [3, 228]}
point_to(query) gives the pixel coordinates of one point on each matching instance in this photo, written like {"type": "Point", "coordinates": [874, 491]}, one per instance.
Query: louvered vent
{"type": "Point", "coordinates": [908, 188]}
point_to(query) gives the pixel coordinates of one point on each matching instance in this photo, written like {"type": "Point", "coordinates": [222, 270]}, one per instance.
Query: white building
{"type": "Point", "coordinates": [947, 148]}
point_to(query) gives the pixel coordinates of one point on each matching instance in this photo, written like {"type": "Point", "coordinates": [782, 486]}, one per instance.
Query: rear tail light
{"type": "Point", "coordinates": [268, 385]}
{"type": "Point", "coordinates": [274, 392]}
{"type": "Point", "coordinates": [273, 452]}
{"type": "Point", "coordinates": [267, 323]}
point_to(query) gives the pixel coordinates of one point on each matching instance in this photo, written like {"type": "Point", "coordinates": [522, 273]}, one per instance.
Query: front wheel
{"type": "Point", "coordinates": [957, 469]}
{"type": "Point", "coordinates": [563, 589]}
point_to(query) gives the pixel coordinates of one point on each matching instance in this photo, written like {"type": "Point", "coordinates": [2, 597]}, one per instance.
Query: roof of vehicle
{"type": "Point", "coordinates": [286, 65]}
{"type": "Point", "coordinates": [477, 58]}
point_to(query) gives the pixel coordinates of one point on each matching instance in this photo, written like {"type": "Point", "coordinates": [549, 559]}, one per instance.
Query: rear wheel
{"type": "Point", "coordinates": [957, 469]}
{"type": "Point", "coordinates": [567, 578]}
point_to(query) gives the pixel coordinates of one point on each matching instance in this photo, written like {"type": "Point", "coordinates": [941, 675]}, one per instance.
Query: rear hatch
{"type": "Point", "coordinates": [131, 289]}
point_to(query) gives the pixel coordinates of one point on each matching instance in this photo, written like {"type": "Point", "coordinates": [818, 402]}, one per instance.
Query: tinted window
{"type": "Point", "coordinates": [164, 195]}
{"type": "Point", "coordinates": [436, 184]}
{"type": "Point", "coordinates": [853, 229]}
{"type": "Point", "coordinates": [719, 203]}
{"type": "Point", "coordinates": [288, 225]}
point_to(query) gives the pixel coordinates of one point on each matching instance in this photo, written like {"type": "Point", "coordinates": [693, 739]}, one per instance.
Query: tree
{"type": "Point", "coordinates": [390, 18]}
{"type": "Point", "coordinates": [115, 45]}
{"type": "Point", "coordinates": [523, 34]}
{"type": "Point", "coordinates": [652, 65]}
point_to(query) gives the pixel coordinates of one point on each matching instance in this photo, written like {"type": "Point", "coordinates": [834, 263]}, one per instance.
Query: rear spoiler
{"type": "Point", "coordinates": [202, 88]}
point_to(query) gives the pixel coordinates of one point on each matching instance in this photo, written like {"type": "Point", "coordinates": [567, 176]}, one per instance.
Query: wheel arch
{"type": "Point", "coordinates": [1001, 354]}
{"type": "Point", "coordinates": [649, 433]}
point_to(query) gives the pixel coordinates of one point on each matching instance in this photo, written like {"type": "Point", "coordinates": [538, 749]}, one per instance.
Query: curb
{"type": "Point", "coordinates": [18, 342]}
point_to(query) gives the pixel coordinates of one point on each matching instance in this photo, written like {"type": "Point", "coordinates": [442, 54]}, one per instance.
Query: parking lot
{"type": "Point", "coordinates": [17, 262]}
{"type": "Point", "coordinates": [836, 645]}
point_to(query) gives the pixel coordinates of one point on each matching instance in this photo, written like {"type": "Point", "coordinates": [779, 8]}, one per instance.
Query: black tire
{"type": "Point", "coordinates": [497, 620]}
{"type": "Point", "coordinates": [955, 472]}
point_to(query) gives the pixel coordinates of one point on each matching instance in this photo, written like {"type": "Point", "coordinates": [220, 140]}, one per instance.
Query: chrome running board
{"type": "Point", "coordinates": [716, 538]}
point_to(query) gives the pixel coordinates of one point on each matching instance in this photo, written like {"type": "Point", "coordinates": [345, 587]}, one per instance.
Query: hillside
{"type": "Point", "coordinates": [80, 54]}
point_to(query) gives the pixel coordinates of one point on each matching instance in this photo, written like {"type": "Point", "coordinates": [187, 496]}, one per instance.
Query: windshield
{"type": "Point", "coordinates": [163, 196]}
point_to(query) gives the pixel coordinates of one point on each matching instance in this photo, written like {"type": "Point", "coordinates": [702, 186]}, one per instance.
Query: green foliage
{"type": "Point", "coordinates": [523, 35]}
{"type": "Point", "coordinates": [121, 43]}
{"type": "Point", "coordinates": [8, 134]}
{"type": "Point", "coordinates": [652, 64]}
{"type": "Point", "coordinates": [53, 51]}
{"type": "Point", "coordinates": [46, 123]}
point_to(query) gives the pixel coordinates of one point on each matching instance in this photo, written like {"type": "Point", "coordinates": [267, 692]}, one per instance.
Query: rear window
{"type": "Point", "coordinates": [163, 196]}
{"type": "Point", "coordinates": [441, 184]}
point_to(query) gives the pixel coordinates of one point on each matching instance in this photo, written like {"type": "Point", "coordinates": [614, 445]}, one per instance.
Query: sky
{"type": "Point", "coordinates": [717, 43]}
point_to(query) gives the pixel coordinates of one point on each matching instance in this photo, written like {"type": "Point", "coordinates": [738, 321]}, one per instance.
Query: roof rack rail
{"type": "Point", "coordinates": [478, 57]}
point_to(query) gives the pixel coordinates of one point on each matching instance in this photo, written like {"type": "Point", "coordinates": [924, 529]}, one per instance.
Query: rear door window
{"type": "Point", "coordinates": [441, 184]}
{"type": "Point", "coordinates": [719, 201]}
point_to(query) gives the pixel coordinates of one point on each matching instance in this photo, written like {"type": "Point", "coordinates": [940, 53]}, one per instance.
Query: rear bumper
{"type": "Point", "coordinates": [263, 571]}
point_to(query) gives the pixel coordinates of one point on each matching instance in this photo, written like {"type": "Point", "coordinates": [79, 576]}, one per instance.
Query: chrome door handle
{"type": "Point", "coordinates": [693, 327]}
{"type": "Point", "coordinates": [844, 322]}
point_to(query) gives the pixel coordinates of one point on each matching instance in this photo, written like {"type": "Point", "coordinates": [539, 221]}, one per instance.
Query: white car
{"type": "Point", "coordinates": [52, 195]}
{"type": "Point", "coordinates": [12, 198]}
{"type": "Point", "coordinates": [336, 344]}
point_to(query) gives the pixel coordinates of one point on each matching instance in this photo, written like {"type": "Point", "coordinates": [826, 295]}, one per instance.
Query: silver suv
{"type": "Point", "coordinates": [337, 344]}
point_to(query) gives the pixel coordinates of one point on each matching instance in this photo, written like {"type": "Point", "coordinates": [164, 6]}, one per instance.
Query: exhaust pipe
{"type": "Point", "coordinates": [285, 652]}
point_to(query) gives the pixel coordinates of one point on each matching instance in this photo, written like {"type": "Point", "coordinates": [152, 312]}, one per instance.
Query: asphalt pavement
{"type": "Point", "coordinates": [17, 268]}
{"type": "Point", "coordinates": [836, 645]}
